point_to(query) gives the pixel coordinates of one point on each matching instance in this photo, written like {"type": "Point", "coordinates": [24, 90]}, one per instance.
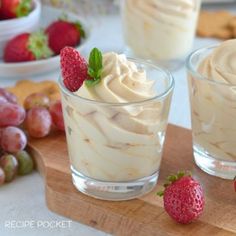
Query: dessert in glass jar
{"type": "Point", "coordinates": [115, 125]}
{"type": "Point", "coordinates": [212, 88]}
{"type": "Point", "coordinates": [162, 31]}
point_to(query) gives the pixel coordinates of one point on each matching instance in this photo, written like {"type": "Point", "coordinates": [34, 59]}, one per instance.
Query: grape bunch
{"type": "Point", "coordinates": [42, 115]}
{"type": "Point", "coordinates": [36, 119]}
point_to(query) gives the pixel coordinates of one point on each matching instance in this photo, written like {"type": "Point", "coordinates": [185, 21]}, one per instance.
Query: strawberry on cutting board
{"type": "Point", "coordinates": [62, 33]}
{"type": "Point", "coordinates": [14, 8]}
{"type": "Point", "coordinates": [27, 47]}
{"type": "Point", "coordinates": [183, 198]}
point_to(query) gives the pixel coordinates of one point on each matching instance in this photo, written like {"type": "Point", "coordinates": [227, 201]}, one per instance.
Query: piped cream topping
{"type": "Point", "coordinates": [220, 65]}
{"type": "Point", "coordinates": [165, 11]}
{"type": "Point", "coordinates": [122, 81]}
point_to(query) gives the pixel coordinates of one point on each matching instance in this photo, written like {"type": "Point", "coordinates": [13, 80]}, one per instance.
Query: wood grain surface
{"type": "Point", "coordinates": [142, 216]}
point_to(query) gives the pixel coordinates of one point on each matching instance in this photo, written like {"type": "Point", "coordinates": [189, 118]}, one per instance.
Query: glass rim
{"type": "Point", "coordinates": [195, 73]}
{"type": "Point", "coordinates": [145, 62]}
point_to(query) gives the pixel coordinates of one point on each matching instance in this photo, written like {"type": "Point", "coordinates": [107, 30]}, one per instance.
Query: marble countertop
{"type": "Point", "coordinates": [23, 200]}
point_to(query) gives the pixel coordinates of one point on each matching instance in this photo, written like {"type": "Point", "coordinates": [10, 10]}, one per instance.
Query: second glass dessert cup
{"type": "Point", "coordinates": [213, 118]}
{"type": "Point", "coordinates": [160, 31]}
{"type": "Point", "coordinates": [115, 149]}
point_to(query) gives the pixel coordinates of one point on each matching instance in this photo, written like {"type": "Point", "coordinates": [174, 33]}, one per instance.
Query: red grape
{"type": "Point", "coordinates": [10, 97]}
{"type": "Point", "coordinates": [2, 176]}
{"type": "Point", "coordinates": [13, 139]}
{"type": "Point", "coordinates": [3, 99]}
{"type": "Point", "coordinates": [10, 165]}
{"type": "Point", "coordinates": [36, 100]}
{"type": "Point", "coordinates": [25, 162]}
{"type": "Point", "coordinates": [38, 122]}
{"type": "Point", "coordinates": [57, 116]}
{"type": "Point", "coordinates": [11, 114]}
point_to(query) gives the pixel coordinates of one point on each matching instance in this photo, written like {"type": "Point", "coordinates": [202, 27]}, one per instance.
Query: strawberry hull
{"type": "Point", "coordinates": [27, 47]}
{"type": "Point", "coordinates": [11, 9]}
{"type": "Point", "coordinates": [10, 28]}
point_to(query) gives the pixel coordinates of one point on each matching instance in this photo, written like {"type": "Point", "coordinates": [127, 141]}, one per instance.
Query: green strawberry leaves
{"type": "Point", "coordinates": [80, 28]}
{"type": "Point", "coordinates": [94, 68]}
{"type": "Point", "coordinates": [172, 178]}
{"type": "Point", "coordinates": [24, 8]}
{"type": "Point", "coordinates": [90, 83]}
{"type": "Point", "coordinates": [38, 45]}
{"type": "Point", "coordinates": [77, 24]}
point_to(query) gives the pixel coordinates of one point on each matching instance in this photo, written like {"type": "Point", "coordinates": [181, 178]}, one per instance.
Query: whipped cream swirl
{"type": "Point", "coordinates": [160, 30]}
{"type": "Point", "coordinates": [171, 12]}
{"type": "Point", "coordinates": [220, 65]}
{"type": "Point", "coordinates": [213, 104]}
{"type": "Point", "coordinates": [121, 82]}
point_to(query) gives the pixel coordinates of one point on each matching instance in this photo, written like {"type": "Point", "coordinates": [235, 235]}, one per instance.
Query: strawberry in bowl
{"type": "Point", "coordinates": [10, 9]}
{"type": "Point", "coordinates": [17, 17]}
{"type": "Point", "coordinates": [27, 47]}
{"type": "Point", "coordinates": [62, 33]}
{"type": "Point", "coordinates": [36, 62]}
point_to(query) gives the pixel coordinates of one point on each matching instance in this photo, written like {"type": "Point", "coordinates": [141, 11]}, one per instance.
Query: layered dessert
{"type": "Point", "coordinates": [115, 126]}
{"type": "Point", "coordinates": [214, 103]}
{"type": "Point", "coordinates": [160, 30]}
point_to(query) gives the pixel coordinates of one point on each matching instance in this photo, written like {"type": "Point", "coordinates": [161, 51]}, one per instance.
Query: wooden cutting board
{"type": "Point", "coordinates": [142, 216]}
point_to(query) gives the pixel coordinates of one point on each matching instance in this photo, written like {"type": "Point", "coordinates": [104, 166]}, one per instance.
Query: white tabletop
{"type": "Point", "coordinates": [23, 200]}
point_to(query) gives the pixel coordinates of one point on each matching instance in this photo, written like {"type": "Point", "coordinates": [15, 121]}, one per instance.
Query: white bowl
{"type": "Point", "coordinates": [34, 68]}
{"type": "Point", "coordinates": [11, 28]}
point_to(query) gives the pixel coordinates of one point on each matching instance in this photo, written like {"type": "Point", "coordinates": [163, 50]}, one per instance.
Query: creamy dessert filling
{"type": "Point", "coordinates": [121, 82]}
{"type": "Point", "coordinates": [158, 9]}
{"type": "Point", "coordinates": [214, 107]}
{"type": "Point", "coordinates": [220, 66]}
{"type": "Point", "coordinates": [116, 143]}
{"type": "Point", "coordinates": [164, 29]}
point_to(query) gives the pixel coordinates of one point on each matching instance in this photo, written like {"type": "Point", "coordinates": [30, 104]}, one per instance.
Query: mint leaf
{"type": "Point", "coordinates": [99, 73]}
{"type": "Point", "coordinates": [80, 28]}
{"type": "Point", "coordinates": [91, 73]}
{"type": "Point", "coordinates": [95, 62]}
{"type": "Point", "coordinates": [94, 68]}
{"type": "Point", "coordinates": [90, 82]}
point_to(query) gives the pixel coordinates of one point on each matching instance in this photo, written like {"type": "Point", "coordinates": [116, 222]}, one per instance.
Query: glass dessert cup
{"type": "Point", "coordinates": [160, 31]}
{"type": "Point", "coordinates": [213, 113]}
{"type": "Point", "coordinates": [115, 149]}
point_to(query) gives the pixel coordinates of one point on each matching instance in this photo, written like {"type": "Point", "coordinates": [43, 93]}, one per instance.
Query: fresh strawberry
{"type": "Point", "coordinates": [183, 198]}
{"type": "Point", "coordinates": [74, 68]}
{"type": "Point", "coordinates": [14, 8]}
{"type": "Point", "coordinates": [27, 47]}
{"type": "Point", "coordinates": [62, 33]}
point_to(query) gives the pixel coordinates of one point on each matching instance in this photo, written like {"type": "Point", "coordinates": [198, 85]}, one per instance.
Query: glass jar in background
{"type": "Point", "coordinates": [213, 108]}
{"type": "Point", "coordinates": [161, 31]}
{"type": "Point", "coordinates": [115, 149]}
